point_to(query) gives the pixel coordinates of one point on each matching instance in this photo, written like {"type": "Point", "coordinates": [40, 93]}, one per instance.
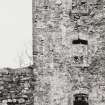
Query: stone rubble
{"type": "Point", "coordinates": [16, 86]}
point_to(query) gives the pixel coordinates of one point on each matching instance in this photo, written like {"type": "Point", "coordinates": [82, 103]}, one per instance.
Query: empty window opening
{"type": "Point", "coordinates": [78, 59]}
{"type": "Point", "coordinates": [80, 41]}
{"type": "Point", "coordinates": [81, 99]}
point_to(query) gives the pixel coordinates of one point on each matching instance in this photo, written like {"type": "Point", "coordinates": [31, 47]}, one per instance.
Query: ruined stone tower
{"type": "Point", "coordinates": [68, 51]}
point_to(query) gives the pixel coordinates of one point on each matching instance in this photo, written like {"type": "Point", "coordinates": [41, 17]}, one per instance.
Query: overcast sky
{"type": "Point", "coordinates": [15, 30]}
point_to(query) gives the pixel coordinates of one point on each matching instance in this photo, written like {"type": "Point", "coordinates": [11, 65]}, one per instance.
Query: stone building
{"type": "Point", "coordinates": [68, 52]}
{"type": "Point", "coordinates": [68, 57]}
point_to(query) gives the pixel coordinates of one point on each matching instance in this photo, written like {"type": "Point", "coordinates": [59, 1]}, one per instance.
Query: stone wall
{"type": "Point", "coordinates": [56, 23]}
{"type": "Point", "coordinates": [16, 86]}
{"type": "Point", "coordinates": [59, 87]}
{"type": "Point", "coordinates": [27, 86]}
{"type": "Point", "coordinates": [56, 76]}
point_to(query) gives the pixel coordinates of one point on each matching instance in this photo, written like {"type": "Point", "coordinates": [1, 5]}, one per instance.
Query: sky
{"type": "Point", "coordinates": [15, 32]}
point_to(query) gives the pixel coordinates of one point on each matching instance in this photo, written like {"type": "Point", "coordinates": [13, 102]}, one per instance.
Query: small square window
{"type": "Point", "coordinates": [78, 59]}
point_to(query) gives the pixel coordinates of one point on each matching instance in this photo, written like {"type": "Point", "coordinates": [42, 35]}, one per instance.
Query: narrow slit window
{"type": "Point", "coordinates": [80, 41]}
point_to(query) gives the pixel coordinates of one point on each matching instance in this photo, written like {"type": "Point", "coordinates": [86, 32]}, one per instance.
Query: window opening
{"type": "Point", "coordinates": [80, 41]}
{"type": "Point", "coordinates": [78, 59]}
{"type": "Point", "coordinates": [81, 99]}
